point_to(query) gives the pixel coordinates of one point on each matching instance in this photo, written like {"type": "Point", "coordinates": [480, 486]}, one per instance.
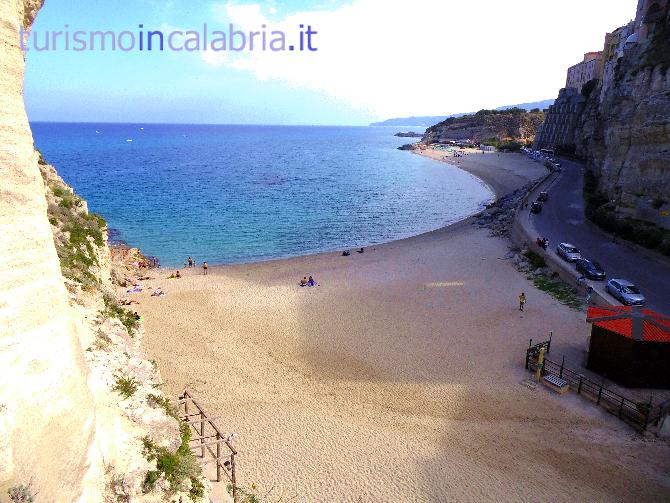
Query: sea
{"type": "Point", "coordinates": [236, 194]}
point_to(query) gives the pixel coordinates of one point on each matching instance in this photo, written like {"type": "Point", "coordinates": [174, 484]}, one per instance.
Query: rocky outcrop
{"type": "Point", "coordinates": [80, 416]}
{"type": "Point", "coordinates": [624, 130]}
{"type": "Point", "coordinates": [504, 125]}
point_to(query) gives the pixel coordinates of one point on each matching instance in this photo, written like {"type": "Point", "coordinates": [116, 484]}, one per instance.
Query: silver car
{"type": "Point", "coordinates": [625, 292]}
{"type": "Point", "coordinates": [568, 252]}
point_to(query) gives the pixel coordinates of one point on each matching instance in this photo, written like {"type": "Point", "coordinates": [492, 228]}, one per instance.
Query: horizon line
{"type": "Point", "coordinates": [198, 124]}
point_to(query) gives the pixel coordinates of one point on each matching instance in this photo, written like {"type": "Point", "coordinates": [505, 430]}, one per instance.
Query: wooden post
{"type": "Point", "coordinates": [232, 477]}
{"type": "Point", "coordinates": [562, 366]}
{"type": "Point", "coordinates": [579, 388]}
{"type": "Point", "coordinates": [218, 458]}
{"type": "Point", "coordinates": [600, 392]}
{"type": "Point", "coordinates": [551, 334]}
{"type": "Point", "coordinates": [540, 365]}
{"type": "Point", "coordinates": [202, 433]}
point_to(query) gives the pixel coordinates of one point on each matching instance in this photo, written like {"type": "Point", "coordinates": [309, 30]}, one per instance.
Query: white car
{"type": "Point", "coordinates": [568, 252]}
{"type": "Point", "coordinates": [625, 292]}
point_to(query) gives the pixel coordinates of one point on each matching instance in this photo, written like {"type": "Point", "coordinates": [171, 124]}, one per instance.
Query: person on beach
{"type": "Point", "coordinates": [205, 267]}
{"type": "Point", "coordinates": [522, 301]}
{"type": "Point", "coordinates": [303, 281]}
{"type": "Point", "coordinates": [189, 261]}
{"type": "Point", "coordinates": [311, 282]}
{"type": "Point", "coordinates": [589, 294]}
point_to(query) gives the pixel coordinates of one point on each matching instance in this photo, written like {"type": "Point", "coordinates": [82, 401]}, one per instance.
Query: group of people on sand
{"type": "Point", "coordinates": [346, 253]}
{"type": "Point", "coordinates": [308, 282]}
{"type": "Point", "coordinates": [191, 264]}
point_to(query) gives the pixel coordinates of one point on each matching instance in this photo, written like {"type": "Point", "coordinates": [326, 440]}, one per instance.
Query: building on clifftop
{"type": "Point", "coordinates": [588, 69]}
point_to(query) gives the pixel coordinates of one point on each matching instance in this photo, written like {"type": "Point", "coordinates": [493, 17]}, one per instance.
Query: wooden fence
{"type": "Point", "coordinates": [637, 414]}
{"type": "Point", "coordinates": [208, 439]}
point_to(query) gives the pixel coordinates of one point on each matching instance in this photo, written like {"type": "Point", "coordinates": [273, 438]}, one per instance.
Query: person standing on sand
{"type": "Point", "coordinates": [204, 268]}
{"type": "Point", "coordinates": [190, 262]}
{"type": "Point", "coordinates": [522, 301]}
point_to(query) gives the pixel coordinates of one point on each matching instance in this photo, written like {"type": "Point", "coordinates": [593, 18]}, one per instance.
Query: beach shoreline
{"type": "Point", "coordinates": [408, 355]}
{"type": "Point", "coordinates": [498, 183]}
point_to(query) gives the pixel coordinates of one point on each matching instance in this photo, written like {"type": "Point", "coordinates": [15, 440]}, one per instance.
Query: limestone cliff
{"type": "Point", "coordinates": [500, 125]}
{"type": "Point", "coordinates": [80, 416]}
{"type": "Point", "coordinates": [46, 406]}
{"type": "Point", "coordinates": [624, 129]}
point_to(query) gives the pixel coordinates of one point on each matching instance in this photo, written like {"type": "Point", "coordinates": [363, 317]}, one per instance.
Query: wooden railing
{"type": "Point", "coordinates": [209, 439]}
{"type": "Point", "coordinates": [637, 414]}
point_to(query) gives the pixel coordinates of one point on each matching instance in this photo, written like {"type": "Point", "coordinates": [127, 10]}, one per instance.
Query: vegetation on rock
{"type": "Point", "coordinates": [602, 212]}
{"type": "Point", "coordinates": [177, 467]}
{"type": "Point", "coordinates": [510, 126]}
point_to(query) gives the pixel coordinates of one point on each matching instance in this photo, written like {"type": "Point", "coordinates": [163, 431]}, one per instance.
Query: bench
{"type": "Point", "coordinates": [556, 383]}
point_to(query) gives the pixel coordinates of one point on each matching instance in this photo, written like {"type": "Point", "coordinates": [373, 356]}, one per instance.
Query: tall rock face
{"type": "Point", "coordinates": [75, 425]}
{"type": "Point", "coordinates": [624, 129]}
{"type": "Point", "coordinates": [511, 124]}
{"type": "Point", "coordinates": [46, 413]}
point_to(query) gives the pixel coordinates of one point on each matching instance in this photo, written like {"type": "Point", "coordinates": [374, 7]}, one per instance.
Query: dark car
{"type": "Point", "coordinates": [590, 269]}
{"type": "Point", "coordinates": [543, 196]}
{"type": "Point", "coordinates": [536, 207]}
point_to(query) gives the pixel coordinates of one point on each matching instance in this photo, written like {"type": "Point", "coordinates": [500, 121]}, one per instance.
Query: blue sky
{"type": "Point", "coordinates": [376, 59]}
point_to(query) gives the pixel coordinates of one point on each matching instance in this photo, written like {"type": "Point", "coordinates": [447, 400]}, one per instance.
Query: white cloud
{"type": "Point", "coordinates": [393, 57]}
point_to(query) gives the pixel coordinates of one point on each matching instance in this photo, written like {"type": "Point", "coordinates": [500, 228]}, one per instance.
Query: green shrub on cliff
{"type": "Point", "coordinates": [114, 310]}
{"type": "Point", "coordinates": [79, 234]}
{"type": "Point", "coordinates": [601, 212]}
{"type": "Point", "coordinates": [176, 467]}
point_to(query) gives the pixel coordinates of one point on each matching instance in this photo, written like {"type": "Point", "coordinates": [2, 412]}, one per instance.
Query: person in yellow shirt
{"type": "Point", "coordinates": [522, 301]}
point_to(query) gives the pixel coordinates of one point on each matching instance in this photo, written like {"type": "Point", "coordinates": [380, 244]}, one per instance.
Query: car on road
{"type": "Point", "coordinates": [590, 269]}
{"type": "Point", "coordinates": [568, 252]}
{"type": "Point", "coordinates": [625, 292]}
{"type": "Point", "coordinates": [536, 207]}
{"type": "Point", "coordinates": [543, 196]}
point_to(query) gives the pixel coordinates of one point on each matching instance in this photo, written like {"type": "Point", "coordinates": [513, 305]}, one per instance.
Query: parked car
{"type": "Point", "coordinates": [568, 252]}
{"type": "Point", "coordinates": [590, 269]}
{"type": "Point", "coordinates": [543, 196]}
{"type": "Point", "coordinates": [536, 207]}
{"type": "Point", "coordinates": [625, 292]}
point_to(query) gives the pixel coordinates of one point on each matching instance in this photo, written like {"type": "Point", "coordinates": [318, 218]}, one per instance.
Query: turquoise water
{"type": "Point", "coordinates": [230, 194]}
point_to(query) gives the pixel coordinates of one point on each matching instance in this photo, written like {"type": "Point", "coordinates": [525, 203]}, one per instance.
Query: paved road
{"type": "Point", "coordinates": [562, 220]}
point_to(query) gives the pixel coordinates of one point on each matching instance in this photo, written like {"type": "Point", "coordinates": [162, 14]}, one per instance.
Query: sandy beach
{"type": "Point", "coordinates": [399, 377]}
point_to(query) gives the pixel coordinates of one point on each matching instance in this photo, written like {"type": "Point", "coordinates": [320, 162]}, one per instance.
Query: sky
{"type": "Point", "coordinates": [375, 59]}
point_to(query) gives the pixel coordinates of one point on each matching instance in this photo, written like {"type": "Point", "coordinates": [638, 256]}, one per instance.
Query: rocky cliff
{"type": "Point", "coordinates": [624, 130]}
{"type": "Point", "coordinates": [80, 416]}
{"type": "Point", "coordinates": [500, 125]}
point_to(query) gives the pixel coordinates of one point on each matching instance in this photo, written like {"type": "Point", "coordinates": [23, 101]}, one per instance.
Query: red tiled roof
{"type": "Point", "coordinates": [624, 326]}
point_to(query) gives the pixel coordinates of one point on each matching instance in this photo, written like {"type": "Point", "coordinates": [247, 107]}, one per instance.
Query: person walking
{"type": "Point", "coordinates": [589, 295]}
{"type": "Point", "coordinates": [522, 301]}
{"type": "Point", "coordinates": [204, 268]}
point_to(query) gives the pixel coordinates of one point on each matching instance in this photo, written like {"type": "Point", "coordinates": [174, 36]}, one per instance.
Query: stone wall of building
{"type": "Point", "coordinates": [561, 119]}
{"type": "Point", "coordinates": [588, 69]}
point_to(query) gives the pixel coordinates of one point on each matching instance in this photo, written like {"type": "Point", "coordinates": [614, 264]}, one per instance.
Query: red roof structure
{"type": "Point", "coordinates": [632, 322]}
